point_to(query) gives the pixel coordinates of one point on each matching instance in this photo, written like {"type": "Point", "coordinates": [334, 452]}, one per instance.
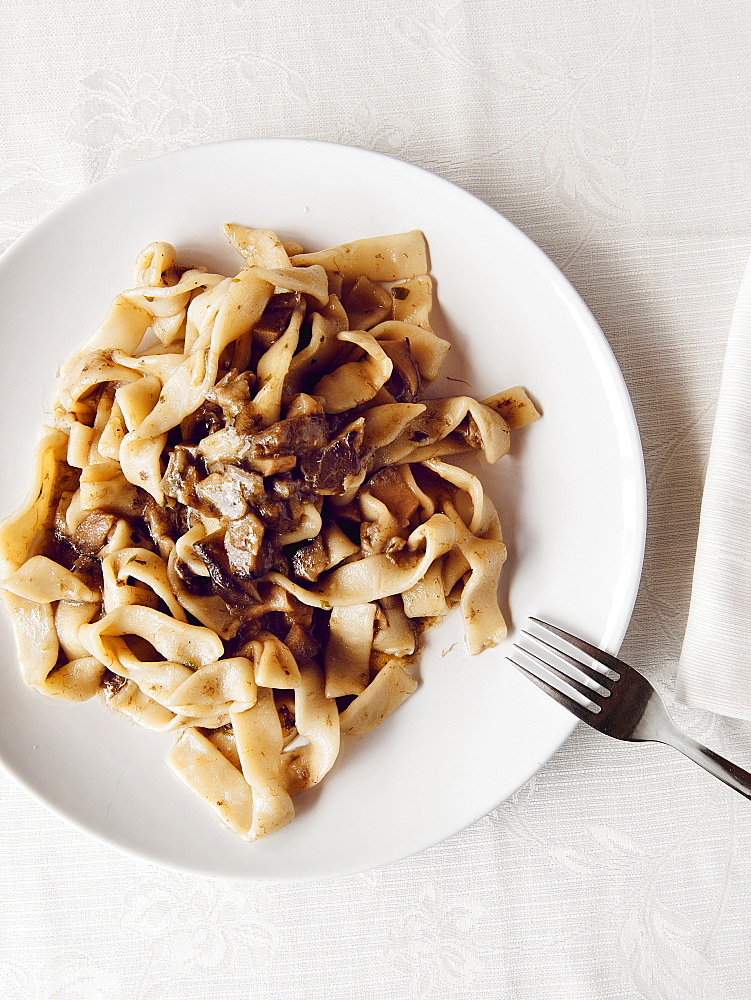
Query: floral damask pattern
{"type": "Point", "coordinates": [63, 977]}
{"type": "Point", "coordinates": [657, 947]}
{"type": "Point", "coordinates": [125, 118]}
{"type": "Point", "coordinates": [614, 135]}
{"type": "Point", "coordinates": [581, 160]}
{"type": "Point", "coordinates": [388, 133]}
{"type": "Point", "coordinates": [189, 922]}
{"type": "Point", "coordinates": [26, 194]}
{"type": "Point", "coordinates": [435, 942]}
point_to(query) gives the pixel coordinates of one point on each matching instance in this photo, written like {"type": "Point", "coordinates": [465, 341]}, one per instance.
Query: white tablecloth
{"type": "Point", "coordinates": [616, 135]}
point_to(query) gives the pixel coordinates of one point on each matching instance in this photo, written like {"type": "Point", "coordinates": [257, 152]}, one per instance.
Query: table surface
{"type": "Point", "coordinates": [616, 136]}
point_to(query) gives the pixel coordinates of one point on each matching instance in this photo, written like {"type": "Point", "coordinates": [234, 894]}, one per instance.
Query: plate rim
{"type": "Point", "coordinates": [583, 314]}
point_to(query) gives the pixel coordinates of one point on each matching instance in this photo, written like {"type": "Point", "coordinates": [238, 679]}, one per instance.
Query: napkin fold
{"type": "Point", "coordinates": [714, 671]}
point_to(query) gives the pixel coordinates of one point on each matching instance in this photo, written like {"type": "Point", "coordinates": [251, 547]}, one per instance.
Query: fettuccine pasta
{"type": "Point", "coordinates": [242, 516]}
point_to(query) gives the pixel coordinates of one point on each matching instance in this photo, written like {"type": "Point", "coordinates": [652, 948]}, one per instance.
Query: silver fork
{"type": "Point", "coordinates": [620, 702]}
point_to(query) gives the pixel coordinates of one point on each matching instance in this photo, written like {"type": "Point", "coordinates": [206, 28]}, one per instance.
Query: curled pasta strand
{"type": "Point", "coordinates": [139, 564]}
{"type": "Point", "coordinates": [484, 624]}
{"type": "Point", "coordinates": [227, 685]}
{"type": "Point", "coordinates": [208, 773]}
{"type": "Point", "coordinates": [355, 382]}
{"type": "Point", "coordinates": [258, 247]}
{"type": "Point", "coordinates": [258, 733]}
{"type": "Point", "coordinates": [380, 258]}
{"type": "Point", "coordinates": [376, 576]}
{"type": "Point", "coordinates": [389, 689]}
{"type": "Point", "coordinates": [255, 453]}
{"type": "Point", "coordinates": [347, 660]}
{"type": "Point", "coordinates": [471, 485]}
{"type": "Point", "coordinates": [24, 532]}
{"type": "Point", "coordinates": [43, 580]}
{"type": "Point", "coordinates": [317, 723]}
{"type": "Point", "coordinates": [178, 642]}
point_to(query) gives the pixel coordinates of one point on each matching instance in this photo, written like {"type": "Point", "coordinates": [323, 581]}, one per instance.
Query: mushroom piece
{"type": "Point", "coordinates": [276, 318]}
{"type": "Point", "coordinates": [242, 542]}
{"type": "Point", "coordinates": [296, 435]}
{"type": "Point", "coordinates": [301, 644]}
{"type": "Point", "coordinates": [164, 524]}
{"type": "Point", "coordinates": [223, 494]}
{"type": "Point", "coordinates": [311, 560]}
{"type": "Point", "coordinates": [225, 580]}
{"type": "Point", "coordinates": [233, 393]}
{"type": "Point", "coordinates": [207, 419]}
{"type": "Point", "coordinates": [327, 472]}
{"type": "Point", "coordinates": [91, 534]}
{"type": "Point", "coordinates": [367, 304]}
{"type": "Point", "coordinates": [404, 383]}
{"type": "Point", "coordinates": [183, 472]}
{"type": "Point", "coordinates": [389, 487]}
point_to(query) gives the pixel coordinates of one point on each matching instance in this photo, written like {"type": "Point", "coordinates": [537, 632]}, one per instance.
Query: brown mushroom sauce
{"type": "Point", "coordinates": [256, 484]}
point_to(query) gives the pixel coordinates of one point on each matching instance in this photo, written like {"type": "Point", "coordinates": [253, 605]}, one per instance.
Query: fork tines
{"type": "Point", "coordinates": [583, 686]}
{"type": "Point", "coordinates": [614, 698]}
{"type": "Point", "coordinates": [599, 656]}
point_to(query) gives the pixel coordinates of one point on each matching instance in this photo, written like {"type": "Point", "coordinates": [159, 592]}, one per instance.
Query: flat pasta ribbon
{"type": "Point", "coordinates": [243, 518]}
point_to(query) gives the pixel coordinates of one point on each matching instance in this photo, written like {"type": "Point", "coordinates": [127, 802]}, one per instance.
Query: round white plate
{"type": "Point", "coordinates": [571, 498]}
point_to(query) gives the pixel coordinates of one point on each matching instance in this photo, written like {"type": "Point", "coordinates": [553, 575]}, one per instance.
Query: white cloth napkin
{"type": "Point", "coordinates": [714, 672]}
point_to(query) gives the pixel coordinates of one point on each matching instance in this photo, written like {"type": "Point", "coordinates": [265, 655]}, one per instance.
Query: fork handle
{"type": "Point", "coordinates": [720, 767]}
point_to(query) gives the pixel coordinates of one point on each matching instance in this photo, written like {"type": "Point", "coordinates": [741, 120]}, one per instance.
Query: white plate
{"type": "Point", "coordinates": [571, 498]}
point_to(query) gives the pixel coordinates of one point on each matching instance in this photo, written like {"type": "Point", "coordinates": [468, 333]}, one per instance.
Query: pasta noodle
{"type": "Point", "coordinates": [242, 518]}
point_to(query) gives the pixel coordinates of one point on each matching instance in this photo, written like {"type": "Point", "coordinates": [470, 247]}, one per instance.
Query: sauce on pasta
{"type": "Point", "coordinates": [243, 516]}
